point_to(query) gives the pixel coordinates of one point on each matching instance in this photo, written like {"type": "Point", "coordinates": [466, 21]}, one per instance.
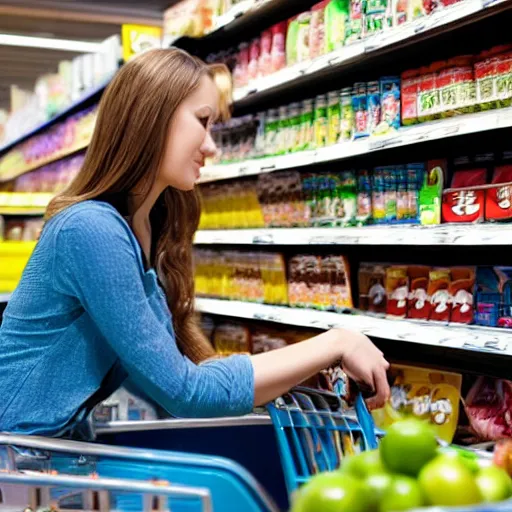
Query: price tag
{"type": "Point", "coordinates": [263, 239]}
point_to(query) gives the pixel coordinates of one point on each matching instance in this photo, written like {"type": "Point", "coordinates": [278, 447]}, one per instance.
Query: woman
{"type": "Point", "coordinates": [108, 292]}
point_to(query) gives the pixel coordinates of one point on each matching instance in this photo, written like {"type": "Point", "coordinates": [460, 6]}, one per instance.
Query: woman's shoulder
{"type": "Point", "coordinates": [89, 215]}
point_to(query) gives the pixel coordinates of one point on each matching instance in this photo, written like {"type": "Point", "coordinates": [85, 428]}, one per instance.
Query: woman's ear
{"type": "Point", "coordinates": [222, 78]}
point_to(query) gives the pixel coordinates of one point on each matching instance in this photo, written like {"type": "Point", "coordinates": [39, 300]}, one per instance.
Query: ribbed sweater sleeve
{"type": "Point", "coordinates": [97, 260]}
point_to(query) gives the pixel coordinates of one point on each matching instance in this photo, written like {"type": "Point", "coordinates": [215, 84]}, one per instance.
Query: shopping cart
{"type": "Point", "coordinates": [230, 486]}
{"type": "Point", "coordinates": [42, 491]}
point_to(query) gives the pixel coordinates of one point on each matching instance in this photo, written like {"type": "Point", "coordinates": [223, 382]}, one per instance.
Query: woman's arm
{"type": "Point", "coordinates": [277, 371]}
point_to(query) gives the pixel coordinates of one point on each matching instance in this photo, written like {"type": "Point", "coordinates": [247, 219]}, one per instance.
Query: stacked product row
{"type": "Point", "coordinates": [481, 295]}
{"type": "Point", "coordinates": [457, 86]}
{"type": "Point", "coordinates": [327, 26]}
{"type": "Point", "coordinates": [62, 138]}
{"type": "Point", "coordinates": [468, 188]}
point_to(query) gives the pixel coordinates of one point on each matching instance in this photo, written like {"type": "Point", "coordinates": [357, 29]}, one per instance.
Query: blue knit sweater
{"type": "Point", "coordinates": [85, 316]}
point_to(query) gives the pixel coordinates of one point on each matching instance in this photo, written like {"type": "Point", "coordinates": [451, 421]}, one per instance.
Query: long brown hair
{"type": "Point", "coordinates": [125, 154]}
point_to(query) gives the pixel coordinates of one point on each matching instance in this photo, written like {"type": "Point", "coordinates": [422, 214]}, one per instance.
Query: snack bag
{"type": "Point", "coordinates": [461, 290]}
{"type": "Point", "coordinates": [317, 29]}
{"type": "Point", "coordinates": [397, 290]}
{"type": "Point", "coordinates": [418, 305]}
{"type": "Point", "coordinates": [372, 291]}
{"type": "Point", "coordinates": [439, 294]}
{"type": "Point", "coordinates": [423, 393]}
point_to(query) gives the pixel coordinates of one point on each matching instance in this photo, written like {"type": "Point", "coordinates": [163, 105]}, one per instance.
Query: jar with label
{"type": "Point", "coordinates": [294, 120]}
{"type": "Point", "coordinates": [320, 123]}
{"type": "Point", "coordinates": [334, 117]}
{"type": "Point", "coordinates": [271, 126]}
{"type": "Point", "coordinates": [347, 115]}
{"type": "Point", "coordinates": [306, 125]}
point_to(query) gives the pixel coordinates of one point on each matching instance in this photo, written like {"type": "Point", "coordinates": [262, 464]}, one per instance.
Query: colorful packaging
{"type": "Point", "coordinates": [307, 132]}
{"type": "Point", "coordinates": [265, 58]}
{"type": "Point", "coordinates": [461, 290]}
{"type": "Point", "coordinates": [317, 29]}
{"type": "Point", "coordinates": [294, 127]}
{"type": "Point", "coordinates": [418, 305]}
{"type": "Point", "coordinates": [431, 185]}
{"type": "Point", "coordinates": [347, 125]}
{"type": "Point", "coordinates": [232, 338]}
{"type": "Point", "coordinates": [254, 59]}
{"type": "Point", "coordinates": [439, 294]}
{"type": "Point", "coordinates": [320, 122]}
{"type": "Point", "coordinates": [374, 110]}
{"type": "Point", "coordinates": [390, 200]}
{"type": "Point", "coordinates": [429, 395]}
{"type": "Point", "coordinates": [333, 117]}
{"type": "Point", "coordinates": [409, 97]}
{"type": "Point", "coordinates": [303, 34]}
{"type": "Point", "coordinates": [355, 28]}
{"type": "Point", "coordinates": [390, 103]}
{"type": "Point", "coordinates": [378, 198]}
{"type": "Point", "coordinates": [364, 198]}
{"type": "Point", "coordinates": [403, 211]}
{"type": "Point", "coordinates": [292, 35]}
{"type": "Point", "coordinates": [278, 51]}
{"type": "Point", "coordinates": [372, 288]}
{"type": "Point", "coordinates": [336, 24]}
{"type": "Point", "coordinates": [488, 406]}
{"type": "Point", "coordinates": [360, 106]}
{"type": "Point", "coordinates": [397, 290]}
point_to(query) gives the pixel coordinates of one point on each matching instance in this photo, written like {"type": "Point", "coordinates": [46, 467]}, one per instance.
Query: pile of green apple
{"type": "Point", "coordinates": [409, 470]}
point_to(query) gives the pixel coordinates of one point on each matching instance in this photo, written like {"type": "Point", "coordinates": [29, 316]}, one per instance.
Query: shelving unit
{"type": "Point", "coordinates": [404, 137]}
{"type": "Point", "coordinates": [473, 338]}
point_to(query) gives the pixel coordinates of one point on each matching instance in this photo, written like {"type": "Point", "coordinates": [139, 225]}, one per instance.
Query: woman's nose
{"type": "Point", "coordinates": [208, 148]}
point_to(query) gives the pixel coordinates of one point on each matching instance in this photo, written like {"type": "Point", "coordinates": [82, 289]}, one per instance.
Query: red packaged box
{"type": "Point", "coordinates": [463, 205]}
{"type": "Point", "coordinates": [418, 305]}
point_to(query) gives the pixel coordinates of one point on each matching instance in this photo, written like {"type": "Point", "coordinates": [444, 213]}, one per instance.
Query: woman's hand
{"type": "Point", "coordinates": [364, 363]}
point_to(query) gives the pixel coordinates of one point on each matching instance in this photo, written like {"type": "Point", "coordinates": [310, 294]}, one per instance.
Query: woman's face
{"type": "Point", "coordinates": [189, 139]}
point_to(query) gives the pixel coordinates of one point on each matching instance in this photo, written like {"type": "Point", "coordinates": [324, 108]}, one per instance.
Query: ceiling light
{"type": "Point", "coordinates": [49, 43]}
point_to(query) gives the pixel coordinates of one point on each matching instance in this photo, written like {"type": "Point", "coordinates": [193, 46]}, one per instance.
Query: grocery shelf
{"type": "Point", "coordinates": [426, 132]}
{"type": "Point", "coordinates": [386, 40]}
{"type": "Point", "coordinates": [15, 173]}
{"type": "Point", "coordinates": [470, 338]}
{"type": "Point", "coordinates": [24, 203]}
{"type": "Point", "coordinates": [402, 235]}
{"type": "Point", "coordinates": [88, 95]}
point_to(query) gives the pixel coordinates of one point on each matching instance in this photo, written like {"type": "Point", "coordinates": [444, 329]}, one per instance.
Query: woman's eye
{"type": "Point", "coordinates": [204, 121]}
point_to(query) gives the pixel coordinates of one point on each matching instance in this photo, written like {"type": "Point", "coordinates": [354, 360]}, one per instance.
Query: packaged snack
{"type": "Point", "coordinates": [488, 406]}
{"type": "Point", "coordinates": [439, 294]}
{"type": "Point", "coordinates": [397, 290]}
{"type": "Point", "coordinates": [355, 28]}
{"type": "Point", "coordinates": [347, 123]}
{"type": "Point", "coordinates": [469, 178]}
{"type": "Point", "coordinates": [403, 212]}
{"type": "Point", "coordinates": [364, 198]}
{"type": "Point", "coordinates": [431, 185]}
{"type": "Point", "coordinates": [409, 97]}
{"type": "Point", "coordinates": [232, 338]}
{"type": "Point", "coordinates": [265, 58]}
{"type": "Point", "coordinates": [429, 395]}
{"type": "Point", "coordinates": [241, 71]}
{"type": "Point", "coordinates": [374, 110]}
{"type": "Point", "coordinates": [390, 103]}
{"type": "Point", "coordinates": [317, 30]}
{"type": "Point", "coordinates": [339, 278]}
{"type": "Point", "coordinates": [461, 290]}
{"type": "Point", "coordinates": [418, 305]}
{"type": "Point", "coordinates": [498, 199]}
{"type": "Point", "coordinates": [303, 34]}
{"type": "Point", "coordinates": [390, 188]}
{"type": "Point", "coordinates": [378, 198]}
{"type": "Point", "coordinates": [320, 121]}
{"type": "Point", "coordinates": [278, 51]}
{"type": "Point", "coordinates": [360, 107]}
{"type": "Point", "coordinates": [334, 117]}
{"type": "Point", "coordinates": [254, 58]}
{"type": "Point", "coordinates": [372, 289]}
{"type": "Point", "coordinates": [292, 35]}
{"type": "Point", "coordinates": [283, 126]}
{"type": "Point", "coordinates": [336, 24]}
{"type": "Point", "coordinates": [271, 132]}
{"type": "Point", "coordinates": [346, 191]}
{"type": "Point", "coordinates": [307, 125]}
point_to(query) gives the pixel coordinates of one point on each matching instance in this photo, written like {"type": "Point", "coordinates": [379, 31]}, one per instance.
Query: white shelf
{"type": "Point", "coordinates": [4, 297]}
{"type": "Point", "coordinates": [473, 338]}
{"type": "Point", "coordinates": [354, 52]}
{"type": "Point", "coordinates": [405, 235]}
{"type": "Point", "coordinates": [437, 130]}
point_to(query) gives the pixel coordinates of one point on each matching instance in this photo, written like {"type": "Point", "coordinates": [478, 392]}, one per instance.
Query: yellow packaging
{"type": "Point", "coordinates": [430, 395]}
{"type": "Point", "coordinates": [139, 38]}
